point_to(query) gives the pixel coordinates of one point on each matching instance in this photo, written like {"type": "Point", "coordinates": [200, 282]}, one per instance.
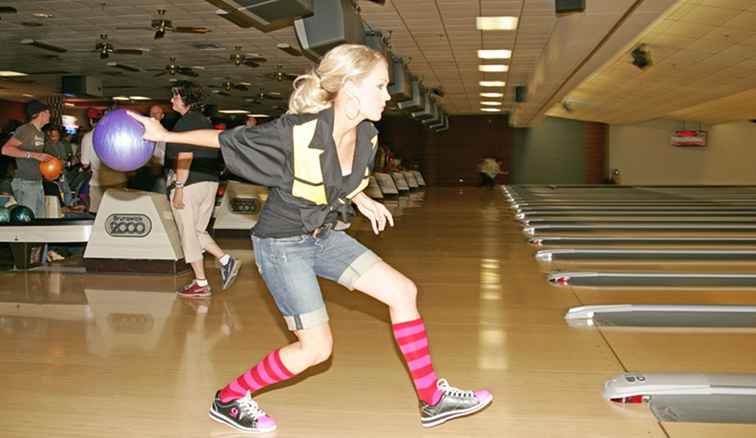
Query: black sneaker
{"type": "Point", "coordinates": [229, 272]}
{"type": "Point", "coordinates": [242, 414]}
{"type": "Point", "coordinates": [453, 403]}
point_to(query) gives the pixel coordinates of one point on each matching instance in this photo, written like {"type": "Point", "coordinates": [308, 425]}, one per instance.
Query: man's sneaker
{"type": "Point", "coordinates": [242, 414]}
{"type": "Point", "coordinates": [229, 272]}
{"type": "Point", "coordinates": [194, 290]}
{"type": "Point", "coordinates": [452, 404]}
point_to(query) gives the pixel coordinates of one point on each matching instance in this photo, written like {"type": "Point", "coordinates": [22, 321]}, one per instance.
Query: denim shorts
{"type": "Point", "coordinates": [290, 267]}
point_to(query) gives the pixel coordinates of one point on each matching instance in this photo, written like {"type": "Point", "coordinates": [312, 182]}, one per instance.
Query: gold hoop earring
{"type": "Point", "coordinates": [357, 113]}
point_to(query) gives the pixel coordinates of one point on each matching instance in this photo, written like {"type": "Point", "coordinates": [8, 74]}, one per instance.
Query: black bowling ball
{"type": "Point", "coordinates": [21, 214]}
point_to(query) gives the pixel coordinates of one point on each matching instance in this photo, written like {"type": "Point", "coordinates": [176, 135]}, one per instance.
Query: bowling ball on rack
{"type": "Point", "coordinates": [21, 214]}
{"type": "Point", "coordinates": [4, 215]}
{"type": "Point", "coordinates": [51, 169]}
{"type": "Point", "coordinates": [119, 143]}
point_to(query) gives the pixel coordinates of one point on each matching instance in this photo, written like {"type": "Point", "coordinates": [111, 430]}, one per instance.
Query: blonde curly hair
{"type": "Point", "coordinates": [314, 91]}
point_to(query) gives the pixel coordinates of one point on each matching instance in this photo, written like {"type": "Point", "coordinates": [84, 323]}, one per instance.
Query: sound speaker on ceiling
{"type": "Point", "coordinates": [569, 6]}
{"type": "Point", "coordinates": [520, 93]}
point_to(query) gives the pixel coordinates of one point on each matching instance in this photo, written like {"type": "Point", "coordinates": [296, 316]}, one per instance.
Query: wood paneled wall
{"type": "Point", "coordinates": [596, 144]}
{"type": "Point", "coordinates": [451, 157]}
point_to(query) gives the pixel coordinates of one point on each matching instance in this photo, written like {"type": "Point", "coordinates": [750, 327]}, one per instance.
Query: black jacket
{"type": "Point", "coordinates": [295, 157]}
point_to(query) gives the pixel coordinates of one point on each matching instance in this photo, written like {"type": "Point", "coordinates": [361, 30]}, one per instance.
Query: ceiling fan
{"type": "Point", "coordinates": [248, 59]}
{"type": "Point", "coordinates": [228, 85]}
{"type": "Point", "coordinates": [105, 48]}
{"type": "Point", "coordinates": [286, 47]}
{"type": "Point", "coordinates": [174, 69]}
{"type": "Point", "coordinates": [161, 25]}
{"type": "Point", "coordinates": [43, 45]}
{"type": "Point", "coordinates": [279, 75]}
{"type": "Point", "coordinates": [262, 95]}
{"type": "Point", "coordinates": [126, 67]}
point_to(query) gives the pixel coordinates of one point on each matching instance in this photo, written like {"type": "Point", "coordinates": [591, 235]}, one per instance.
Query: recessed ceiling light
{"type": "Point", "coordinates": [495, 54]}
{"type": "Point", "coordinates": [496, 23]}
{"type": "Point", "coordinates": [233, 112]}
{"type": "Point", "coordinates": [493, 68]}
{"type": "Point", "coordinates": [492, 83]}
{"type": "Point", "coordinates": [139, 98]}
{"type": "Point", "coordinates": [490, 102]}
{"type": "Point", "coordinates": [491, 110]}
{"type": "Point", "coordinates": [11, 74]}
{"type": "Point", "coordinates": [27, 95]}
{"type": "Point", "coordinates": [491, 94]}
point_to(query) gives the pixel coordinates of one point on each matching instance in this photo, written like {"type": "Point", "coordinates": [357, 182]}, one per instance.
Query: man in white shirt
{"type": "Point", "coordinates": [103, 177]}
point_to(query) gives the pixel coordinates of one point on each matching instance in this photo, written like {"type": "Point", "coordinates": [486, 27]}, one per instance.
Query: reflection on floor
{"type": "Point", "coordinates": [112, 356]}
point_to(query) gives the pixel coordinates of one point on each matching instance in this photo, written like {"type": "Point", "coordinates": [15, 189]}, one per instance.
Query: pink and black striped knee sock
{"type": "Point", "coordinates": [413, 341]}
{"type": "Point", "coordinates": [267, 372]}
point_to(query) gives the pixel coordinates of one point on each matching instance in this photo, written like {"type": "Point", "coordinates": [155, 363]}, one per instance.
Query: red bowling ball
{"type": "Point", "coordinates": [51, 169]}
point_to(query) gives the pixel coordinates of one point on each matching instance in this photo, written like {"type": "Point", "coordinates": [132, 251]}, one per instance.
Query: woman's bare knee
{"type": "Point", "coordinates": [317, 346]}
{"type": "Point", "coordinates": [410, 292]}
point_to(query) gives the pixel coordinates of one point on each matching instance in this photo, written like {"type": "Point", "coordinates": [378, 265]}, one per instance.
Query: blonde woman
{"type": "Point", "coordinates": [316, 160]}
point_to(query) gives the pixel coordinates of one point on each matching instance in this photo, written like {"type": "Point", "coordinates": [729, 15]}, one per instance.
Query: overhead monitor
{"type": "Point", "coordinates": [417, 102]}
{"type": "Point", "coordinates": [400, 87]}
{"type": "Point", "coordinates": [333, 22]}
{"type": "Point", "coordinates": [266, 15]}
{"type": "Point", "coordinates": [426, 112]}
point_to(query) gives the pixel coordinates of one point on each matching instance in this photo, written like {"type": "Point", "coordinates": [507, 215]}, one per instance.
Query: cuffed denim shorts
{"type": "Point", "coordinates": [290, 267]}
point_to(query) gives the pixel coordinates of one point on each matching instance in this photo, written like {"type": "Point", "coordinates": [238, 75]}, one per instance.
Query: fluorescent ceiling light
{"type": "Point", "coordinates": [11, 74]}
{"type": "Point", "coordinates": [233, 112]}
{"type": "Point", "coordinates": [490, 102]}
{"type": "Point", "coordinates": [140, 98]}
{"type": "Point", "coordinates": [491, 110]}
{"type": "Point", "coordinates": [494, 54]}
{"type": "Point", "coordinates": [259, 115]}
{"type": "Point", "coordinates": [27, 95]}
{"type": "Point", "coordinates": [493, 68]}
{"type": "Point", "coordinates": [496, 23]}
{"type": "Point", "coordinates": [491, 94]}
{"type": "Point", "coordinates": [492, 83]}
{"type": "Point", "coordinates": [120, 97]}
{"type": "Point", "coordinates": [42, 15]}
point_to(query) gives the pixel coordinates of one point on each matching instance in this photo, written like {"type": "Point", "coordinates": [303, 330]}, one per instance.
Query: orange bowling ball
{"type": "Point", "coordinates": [51, 169]}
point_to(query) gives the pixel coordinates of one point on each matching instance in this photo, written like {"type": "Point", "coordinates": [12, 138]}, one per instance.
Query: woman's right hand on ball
{"type": "Point", "coordinates": [153, 130]}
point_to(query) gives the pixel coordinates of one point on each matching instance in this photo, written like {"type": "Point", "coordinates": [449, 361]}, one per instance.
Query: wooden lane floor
{"type": "Point", "coordinates": [111, 356]}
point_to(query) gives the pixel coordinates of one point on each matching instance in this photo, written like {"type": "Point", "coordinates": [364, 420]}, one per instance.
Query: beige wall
{"type": "Point", "coordinates": [644, 155]}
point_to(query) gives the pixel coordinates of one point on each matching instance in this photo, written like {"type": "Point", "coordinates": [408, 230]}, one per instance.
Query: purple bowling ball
{"type": "Point", "coordinates": [119, 144]}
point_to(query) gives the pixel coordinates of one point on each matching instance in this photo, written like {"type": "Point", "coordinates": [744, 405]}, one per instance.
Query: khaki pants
{"type": "Point", "coordinates": [192, 220]}
{"type": "Point", "coordinates": [97, 192]}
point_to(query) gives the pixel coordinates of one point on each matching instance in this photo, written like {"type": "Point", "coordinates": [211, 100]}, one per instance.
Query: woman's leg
{"type": "Point", "coordinates": [392, 288]}
{"type": "Point", "coordinates": [439, 401]}
{"type": "Point", "coordinates": [313, 346]}
{"type": "Point", "coordinates": [286, 266]}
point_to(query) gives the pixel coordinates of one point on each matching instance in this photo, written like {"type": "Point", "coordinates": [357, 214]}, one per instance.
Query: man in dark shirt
{"type": "Point", "coordinates": [193, 175]}
{"type": "Point", "coordinates": [26, 146]}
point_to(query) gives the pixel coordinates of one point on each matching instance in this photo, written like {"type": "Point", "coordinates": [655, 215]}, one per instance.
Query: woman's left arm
{"type": "Point", "coordinates": [376, 212]}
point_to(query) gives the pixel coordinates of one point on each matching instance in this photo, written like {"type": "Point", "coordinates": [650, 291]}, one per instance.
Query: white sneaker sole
{"type": "Point", "coordinates": [232, 277]}
{"type": "Point", "coordinates": [452, 415]}
{"type": "Point", "coordinates": [223, 420]}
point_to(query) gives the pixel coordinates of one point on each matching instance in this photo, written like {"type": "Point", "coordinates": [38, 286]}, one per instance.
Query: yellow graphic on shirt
{"type": "Point", "coordinates": [308, 175]}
